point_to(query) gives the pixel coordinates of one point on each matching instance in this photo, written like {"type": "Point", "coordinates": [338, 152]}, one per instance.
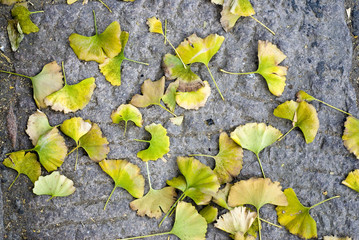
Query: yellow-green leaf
{"type": "Point", "coordinates": [55, 185]}
{"type": "Point", "coordinates": [228, 19]}
{"type": "Point", "coordinates": [152, 93]}
{"type": "Point", "coordinates": [72, 97]}
{"type": "Point", "coordinates": [351, 135]}
{"type": "Point", "coordinates": [352, 180]}
{"type": "Point", "coordinates": [159, 143]}
{"type": "Point", "coordinates": [194, 100]}
{"type": "Point", "coordinates": [98, 47]}
{"type": "Point", "coordinates": [242, 8]}
{"type": "Point", "coordinates": [301, 95]}
{"type": "Point", "coordinates": [75, 128]}
{"type": "Point", "coordinates": [10, 2]}
{"type": "Point", "coordinates": [15, 34]}
{"type": "Point", "coordinates": [221, 197]}
{"type": "Point", "coordinates": [22, 15]}
{"type": "Point", "coordinates": [155, 25]}
{"type": "Point", "coordinates": [127, 112]}
{"type": "Point", "coordinates": [37, 125]}
{"type": "Point", "coordinates": [209, 213]}
{"type": "Point", "coordinates": [51, 149]}
{"type": "Point", "coordinates": [154, 202]}
{"type": "Point", "coordinates": [170, 95]}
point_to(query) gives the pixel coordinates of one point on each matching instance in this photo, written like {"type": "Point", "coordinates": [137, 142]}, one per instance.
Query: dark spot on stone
{"type": "Point", "coordinates": [294, 5]}
{"type": "Point", "coordinates": [3, 180]}
{"type": "Point", "coordinates": [142, 75]}
{"type": "Point", "coordinates": [209, 149]}
{"type": "Point", "coordinates": [309, 60]}
{"type": "Point", "coordinates": [290, 86]}
{"type": "Point", "coordinates": [316, 7]}
{"type": "Point", "coordinates": [21, 211]}
{"type": "Point", "coordinates": [314, 44]}
{"type": "Point", "coordinates": [210, 122]}
{"type": "Point", "coordinates": [355, 19]}
{"type": "Point", "coordinates": [320, 68]}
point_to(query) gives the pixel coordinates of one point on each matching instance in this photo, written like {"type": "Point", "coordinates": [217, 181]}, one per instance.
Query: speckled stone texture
{"type": "Point", "coordinates": [312, 33]}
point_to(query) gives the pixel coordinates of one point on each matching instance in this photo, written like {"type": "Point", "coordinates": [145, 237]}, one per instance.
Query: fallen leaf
{"type": "Point", "coordinates": [15, 34]}
{"type": "Point", "coordinates": [352, 180]}
{"type": "Point", "coordinates": [194, 100]}
{"type": "Point", "coordinates": [209, 213]}
{"type": "Point", "coordinates": [127, 112]}
{"type": "Point", "coordinates": [22, 15]}
{"type": "Point", "coordinates": [37, 125]}
{"type": "Point", "coordinates": [351, 135]}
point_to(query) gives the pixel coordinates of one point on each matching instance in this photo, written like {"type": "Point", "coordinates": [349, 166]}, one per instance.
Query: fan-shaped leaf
{"type": "Point", "coordinates": [155, 25]}
{"type": "Point", "coordinates": [242, 8]}
{"type": "Point", "coordinates": [127, 112]}
{"type": "Point", "coordinates": [301, 95]}
{"type": "Point", "coordinates": [221, 197]}
{"type": "Point", "coordinates": [75, 128]}
{"type": "Point", "coordinates": [209, 213]}
{"type": "Point", "coordinates": [95, 144]}
{"type": "Point", "coordinates": [194, 100]}
{"type": "Point", "coordinates": [228, 19]}
{"type": "Point", "coordinates": [51, 149]}
{"type": "Point", "coordinates": [303, 115]}
{"type": "Point", "coordinates": [159, 143]}
{"type": "Point", "coordinates": [98, 47]}
{"type": "Point", "coordinates": [152, 93]}
{"type": "Point", "coordinates": [352, 180]}
{"type": "Point", "coordinates": [24, 164]}
{"type": "Point", "coordinates": [177, 120]}
{"type": "Point", "coordinates": [351, 135]}
{"type": "Point", "coordinates": [55, 185]}
{"type": "Point", "coordinates": [37, 125]}
{"type": "Point", "coordinates": [72, 97]}
{"type": "Point", "coordinates": [22, 15]}
{"type": "Point", "coordinates": [154, 202]}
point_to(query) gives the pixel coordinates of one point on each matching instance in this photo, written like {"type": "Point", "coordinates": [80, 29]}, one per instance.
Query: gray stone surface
{"type": "Point", "coordinates": [314, 36]}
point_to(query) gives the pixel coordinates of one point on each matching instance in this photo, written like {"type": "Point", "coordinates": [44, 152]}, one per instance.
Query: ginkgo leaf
{"type": "Point", "coordinates": [72, 97]}
{"type": "Point", "coordinates": [127, 112]}
{"type": "Point", "coordinates": [228, 19]}
{"type": "Point", "coordinates": [236, 222]}
{"type": "Point", "coordinates": [51, 149]}
{"type": "Point", "coordinates": [242, 8]}
{"type": "Point", "coordinates": [177, 120]}
{"type": "Point", "coordinates": [75, 128]}
{"type": "Point", "coordinates": [194, 100]}
{"type": "Point", "coordinates": [37, 125]}
{"type": "Point", "coordinates": [55, 185]}
{"type": "Point", "coordinates": [255, 137]}
{"type": "Point", "coordinates": [188, 81]}
{"type": "Point", "coordinates": [301, 95]}
{"type": "Point", "coordinates": [15, 34]}
{"type": "Point", "coordinates": [159, 143]}
{"type": "Point", "coordinates": [10, 2]}
{"type": "Point", "coordinates": [352, 180]}
{"type": "Point", "coordinates": [98, 47]}
{"type": "Point", "coordinates": [303, 115]}
{"type": "Point", "coordinates": [228, 160]}
{"type": "Point", "coordinates": [209, 213]}
{"type": "Point", "coordinates": [221, 197]}
{"type": "Point", "coordinates": [155, 25]}
{"type": "Point", "coordinates": [336, 238]}
{"type": "Point", "coordinates": [200, 181]}
{"type": "Point", "coordinates": [256, 192]}
{"type": "Point", "coordinates": [152, 93]}
{"type": "Point", "coordinates": [154, 202]}
{"type": "Point", "coordinates": [125, 175]}
{"type": "Point", "coordinates": [24, 164]}
{"type": "Point", "coordinates": [170, 95]}
{"type": "Point", "coordinates": [351, 135]}
{"type": "Point", "coordinates": [22, 15]}
{"type": "Point", "coordinates": [95, 144]}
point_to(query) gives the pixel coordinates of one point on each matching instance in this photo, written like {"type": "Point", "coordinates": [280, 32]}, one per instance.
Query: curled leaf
{"type": "Point", "coordinates": [152, 93]}
{"type": "Point", "coordinates": [351, 135]}
{"type": "Point", "coordinates": [228, 19]}
{"type": "Point", "coordinates": [352, 180]}
{"type": "Point", "coordinates": [209, 213]}
{"type": "Point", "coordinates": [37, 125]}
{"type": "Point", "coordinates": [194, 100]}
{"type": "Point", "coordinates": [170, 95]}
{"type": "Point", "coordinates": [15, 34]}
{"type": "Point", "coordinates": [22, 15]}
{"type": "Point", "coordinates": [55, 185]}
{"type": "Point", "coordinates": [221, 197]}
{"type": "Point", "coordinates": [127, 112]}
{"type": "Point", "coordinates": [75, 128]}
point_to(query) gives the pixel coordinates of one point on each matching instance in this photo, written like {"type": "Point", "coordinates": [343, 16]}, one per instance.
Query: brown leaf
{"type": "Point", "coordinates": [12, 126]}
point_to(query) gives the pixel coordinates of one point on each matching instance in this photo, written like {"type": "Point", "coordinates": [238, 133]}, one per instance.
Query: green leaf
{"type": "Point", "coordinates": [352, 180]}
{"type": "Point", "coordinates": [154, 202]}
{"type": "Point", "coordinates": [152, 93]}
{"type": "Point", "coordinates": [22, 15]}
{"type": "Point", "coordinates": [51, 149]}
{"type": "Point", "coordinates": [242, 8]}
{"type": "Point", "coordinates": [269, 57]}
{"type": "Point", "coordinates": [98, 47]}
{"type": "Point", "coordinates": [195, 49]}
{"type": "Point", "coordinates": [301, 95]}
{"type": "Point", "coordinates": [170, 95]}
{"type": "Point", "coordinates": [303, 115]}
{"type": "Point", "coordinates": [351, 135]}
{"type": "Point", "coordinates": [111, 67]}
{"type": "Point", "coordinates": [194, 100]}
{"type": "Point", "coordinates": [209, 213]}
{"type": "Point", "coordinates": [127, 112]}
{"type": "Point", "coordinates": [155, 25]}
{"type": "Point", "coordinates": [55, 185]}
{"type": "Point", "coordinates": [95, 144]}
{"type": "Point", "coordinates": [237, 222]}
{"type": "Point", "coordinates": [15, 34]}
{"type": "Point", "coordinates": [174, 69]}
{"type": "Point", "coordinates": [189, 224]}
{"type": "Point", "coordinates": [296, 218]}
{"type": "Point", "coordinates": [201, 182]}
{"type": "Point", "coordinates": [159, 143]}
{"type": "Point", "coordinates": [37, 125]}
{"type": "Point", "coordinates": [221, 197]}
{"type": "Point", "coordinates": [178, 182]}
{"type": "Point", "coordinates": [24, 164]}
{"type": "Point", "coordinates": [256, 192]}
{"type": "Point", "coordinates": [75, 128]}
{"type": "Point", "coordinates": [125, 175]}
{"type": "Point", "coordinates": [72, 97]}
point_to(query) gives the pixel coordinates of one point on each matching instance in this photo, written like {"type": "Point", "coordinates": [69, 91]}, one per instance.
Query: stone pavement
{"type": "Point", "coordinates": [312, 33]}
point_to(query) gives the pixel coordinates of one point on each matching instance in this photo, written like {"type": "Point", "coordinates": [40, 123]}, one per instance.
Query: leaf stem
{"type": "Point", "coordinates": [36, 12]}
{"type": "Point", "coordinates": [136, 61]}
{"type": "Point", "coordinates": [113, 190]}
{"type": "Point", "coordinates": [184, 65]}
{"type": "Point", "coordinates": [181, 198]}
{"type": "Point", "coordinates": [18, 174]}
{"type": "Point", "coordinates": [255, 19]}
{"type": "Point", "coordinates": [151, 235]}
{"type": "Point", "coordinates": [260, 164]}
{"type": "Point", "coordinates": [105, 5]}
{"type": "Point", "coordinates": [165, 31]}
{"type": "Point", "coordinates": [333, 107]}
{"type": "Point", "coordinates": [148, 175]}
{"type": "Point", "coordinates": [219, 91]}
{"type": "Point", "coordinates": [259, 225]}
{"type": "Point", "coordinates": [326, 200]}
{"type": "Point", "coordinates": [233, 73]}
{"type": "Point", "coordinates": [140, 140]}
{"type": "Point", "coordinates": [281, 137]}
{"type": "Point", "coordinates": [94, 19]}
{"type": "Point", "coordinates": [63, 71]}
{"type": "Point", "coordinates": [275, 225]}
{"type": "Point", "coordinates": [167, 109]}
{"type": "Point", "coordinates": [169, 211]}
{"type": "Point", "coordinates": [124, 132]}
{"type": "Point", "coordinates": [50, 198]}
{"type": "Point", "coordinates": [16, 74]}
{"type": "Point", "coordinates": [77, 157]}
{"type": "Point", "coordinates": [29, 150]}
{"type": "Point", "coordinates": [73, 150]}
{"type": "Point", "coordinates": [201, 155]}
